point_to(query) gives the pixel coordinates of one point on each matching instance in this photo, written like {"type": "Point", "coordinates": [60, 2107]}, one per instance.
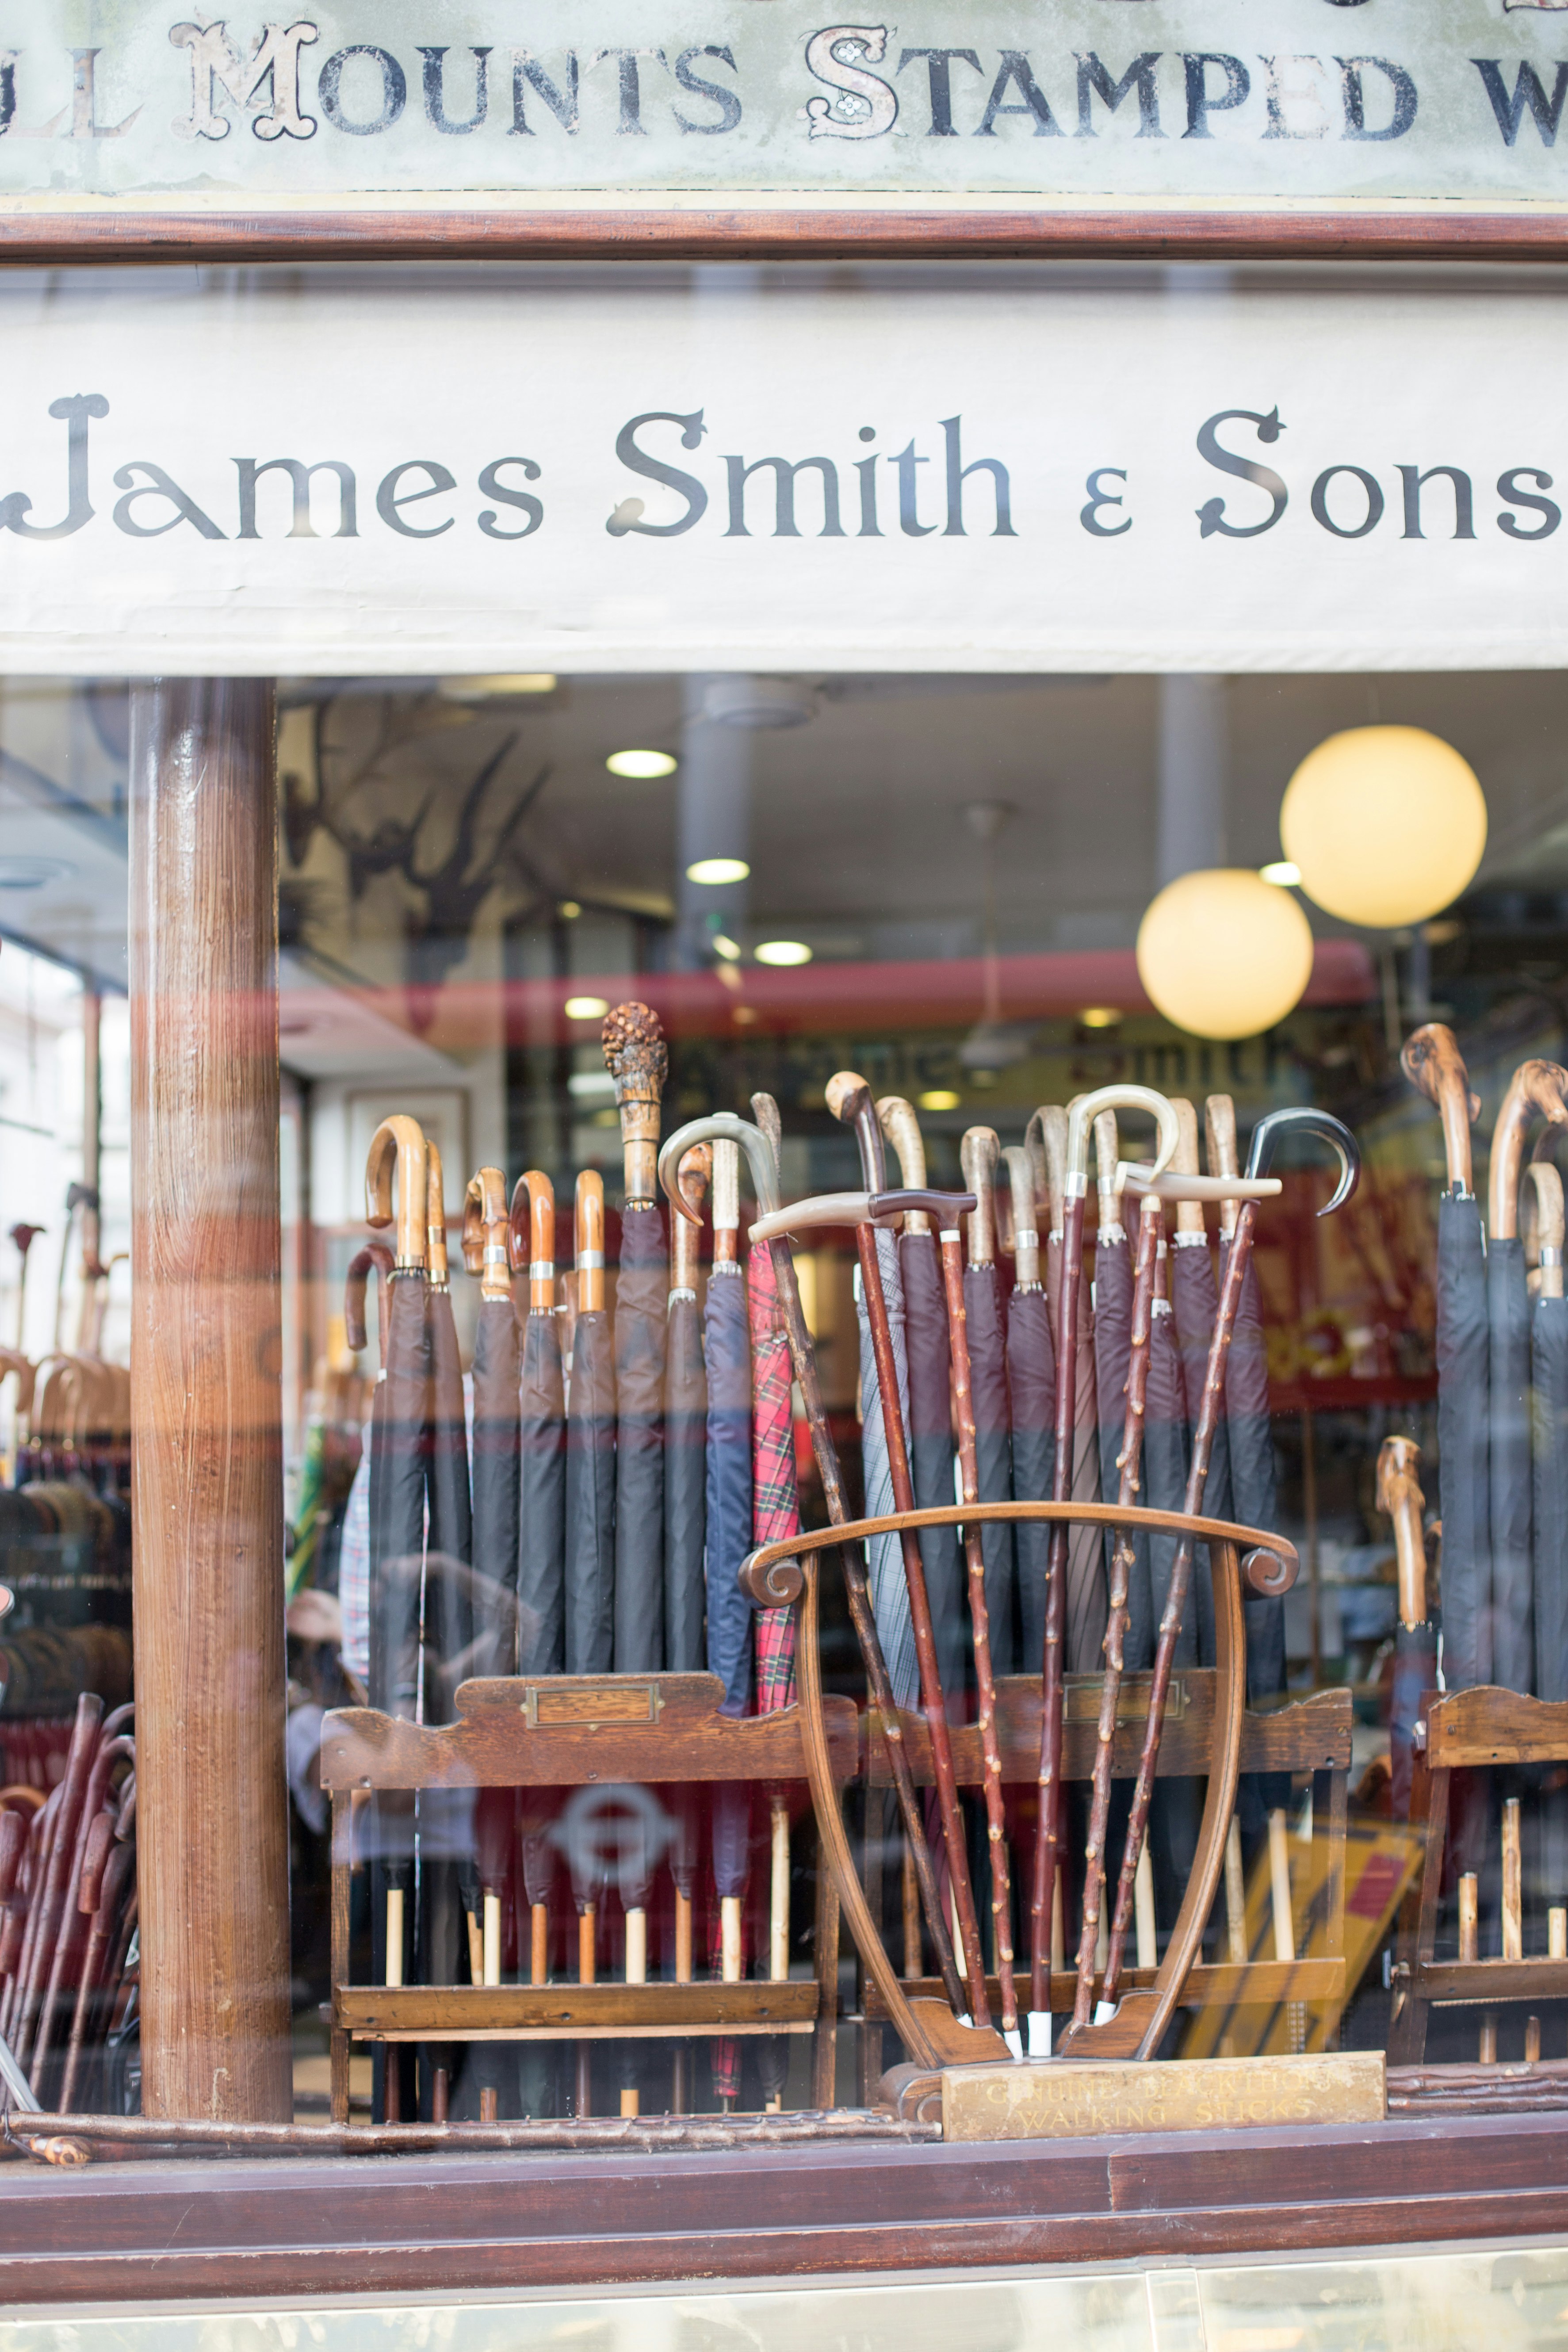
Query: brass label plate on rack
{"type": "Point", "coordinates": [1131, 1700]}
{"type": "Point", "coordinates": [547, 1707]}
{"type": "Point", "coordinates": [1067, 2098]}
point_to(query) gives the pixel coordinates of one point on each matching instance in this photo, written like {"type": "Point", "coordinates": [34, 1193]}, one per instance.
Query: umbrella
{"type": "Point", "coordinates": [1431, 1061]}
{"type": "Point", "coordinates": [1048, 1826]}
{"type": "Point", "coordinates": [1415, 1654]}
{"type": "Point", "coordinates": [775, 1490]}
{"type": "Point", "coordinates": [498, 1362]}
{"type": "Point", "coordinates": [731, 1871]}
{"type": "Point", "coordinates": [590, 1546]}
{"type": "Point", "coordinates": [953, 1272]}
{"type": "Point", "coordinates": [726, 1346]}
{"type": "Point", "coordinates": [724, 1125]}
{"type": "Point", "coordinates": [1032, 1400]}
{"type": "Point", "coordinates": [884, 1554]}
{"type": "Point", "coordinates": [1112, 1360]}
{"type": "Point", "coordinates": [1536, 1087]}
{"type": "Point", "coordinates": [849, 1098]}
{"type": "Point", "coordinates": [988, 1377]}
{"type": "Point", "coordinates": [541, 1411]}
{"type": "Point", "coordinates": [637, 1058]}
{"type": "Point", "coordinates": [1256, 1185]}
{"type": "Point", "coordinates": [1128, 1462]}
{"type": "Point", "coordinates": [1085, 1606]}
{"type": "Point", "coordinates": [1549, 1396]}
{"type": "Point", "coordinates": [685, 1431]}
{"type": "Point", "coordinates": [1195, 1305]}
{"type": "Point", "coordinates": [397, 1544]}
{"type": "Point", "coordinates": [1249, 1428]}
{"type": "Point", "coordinates": [930, 1419]}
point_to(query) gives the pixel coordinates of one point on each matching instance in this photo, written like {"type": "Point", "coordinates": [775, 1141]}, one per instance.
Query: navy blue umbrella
{"type": "Point", "coordinates": [637, 1058]}
{"type": "Point", "coordinates": [1536, 1089]}
{"type": "Point", "coordinates": [590, 1550]}
{"type": "Point", "coordinates": [498, 1364]}
{"type": "Point", "coordinates": [542, 1436]}
{"type": "Point", "coordinates": [684, 1432]}
{"type": "Point", "coordinates": [987, 1331]}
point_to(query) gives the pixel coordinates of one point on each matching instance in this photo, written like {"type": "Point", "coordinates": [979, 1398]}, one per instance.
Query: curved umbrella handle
{"type": "Point", "coordinates": [977, 1156]}
{"type": "Point", "coordinates": [721, 1127]}
{"type": "Point", "coordinates": [1304, 1120]}
{"type": "Point", "coordinates": [849, 1099]}
{"type": "Point", "coordinates": [1432, 1062]}
{"type": "Point", "coordinates": [376, 1256]}
{"type": "Point", "coordinates": [588, 1237]}
{"type": "Point", "coordinates": [1536, 1087]}
{"type": "Point", "coordinates": [1547, 1185]}
{"type": "Point", "coordinates": [693, 1176]}
{"type": "Point", "coordinates": [1025, 1237]}
{"type": "Point", "coordinates": [533, 1237]}
{"type": "Point", "coordinates": [487, 1233]}
{"type": "Point", "coordinates": [897, 1119]}
{"type": "Point", "coordinates": [398, 1147]}
{"type": "Point", "coordinates": [1087, 1108]}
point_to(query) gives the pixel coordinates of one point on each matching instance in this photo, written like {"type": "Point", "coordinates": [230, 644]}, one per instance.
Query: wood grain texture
{"type": "Point", "coordinates": [410, 2013]}
{"type": "Point", "coordinates": [204, 1359]}
{"type": "Point", "coordinates": [1225, 1983]}
{"type": "Point", "coordinates": [467, 228]}
{"type": "Point", "coordinates": [1488, 1725]}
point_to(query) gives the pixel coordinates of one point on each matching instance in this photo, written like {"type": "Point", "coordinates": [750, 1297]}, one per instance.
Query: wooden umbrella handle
{"type": "Point", "coordinates": [398, 1148]}
{"type": "Point", "coordinates": [903, 1128]}
{"type": "Point", "coordinates": [692, 1179]}
{"type": "Point", "coordinates": [588, 1237]}
{"type": "Point", "coordinates": [435, 1215]}
{"type": "Point", "coordinates": [1399, 1495]}
{"type": "Point", "coordinates": [638, 1060]}
{"type": "Point", "coordinates": [487, 1233]}
{"type": "Point", "coordinates": [373, 1257]}
{"type": "Point", "coordinates": [1220, 1127]}
{"type": "Point", "coordinates": [1432, 1062]}
{"type": "Point", "coordinates": [1547, 1185]}
{"type": "Point", "coordinates": [1537, 1089]}
{"type": "Point", "coordinates": [533, 1237]}
{"type": "Point", "coordinates": [977, 1156]}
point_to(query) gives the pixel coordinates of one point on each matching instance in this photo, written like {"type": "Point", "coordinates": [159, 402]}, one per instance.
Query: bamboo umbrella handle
{"type": "Point", "coordinates": [1547, 1187]}
{"type": "Point", "coordinates": [1432, 1062]}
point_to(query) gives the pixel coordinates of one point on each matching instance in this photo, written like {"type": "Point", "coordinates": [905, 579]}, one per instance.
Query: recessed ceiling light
{"type": "Point", "coordinates": [1100, 1016]}
{"type": "Point", "coordinates": [503, 682]}
{"type": "Point", "coordinates": [714, 871]}
{"type": "Point", "coordinates": [642, 766]}
{"type": "Point", "coordinates": [1280, 872]}
{"type": "Point", "coordinates": [586, 1008]}
{"type": "Point", "coordinates": [590, 1083]}
{"type": "Point", "coordinates": [938, 1098]}
{"type": "Point", "coordinates": [726, 947]}
{"type": "Point", "coordinates": [784, 951]}
{"type": "Point", "coordinates": [569, 911]}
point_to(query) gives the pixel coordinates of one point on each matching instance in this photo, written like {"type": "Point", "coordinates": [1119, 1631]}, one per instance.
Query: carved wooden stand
{"type": "Point", "coordinates": [567, 1732]}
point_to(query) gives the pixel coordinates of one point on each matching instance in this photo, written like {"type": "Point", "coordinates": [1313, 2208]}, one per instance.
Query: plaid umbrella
{"type": "Point", "coordinates": [775, 1495]}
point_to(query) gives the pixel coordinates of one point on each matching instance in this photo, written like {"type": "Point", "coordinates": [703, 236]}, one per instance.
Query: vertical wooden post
{"type": "Point", "coordinates": [212, 1811]}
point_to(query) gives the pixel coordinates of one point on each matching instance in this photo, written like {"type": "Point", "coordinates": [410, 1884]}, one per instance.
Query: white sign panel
{"type": "Point", "coordinates": [1001, 468]}
{"type": "Point", "coordinates": [1258, 101]}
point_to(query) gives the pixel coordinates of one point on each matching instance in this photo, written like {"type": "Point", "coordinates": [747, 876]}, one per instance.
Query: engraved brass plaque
{"type": "Point", "coordinates": [546, 1707]}
{"type": "Point", "coordinates": [1131, 1700]}
{"type": "Point", "coordinates": [1068, 2098]}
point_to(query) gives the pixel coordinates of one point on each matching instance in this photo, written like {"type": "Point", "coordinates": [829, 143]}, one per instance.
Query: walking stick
{"type": "Point", "coordinates": [952, 1269]}
{"type": "Point", "coordinates": [1031, 1395]}
{"type": "Point", "coordinates": [638, 1059]}
{"type": "Point", "coordinates": [1048, 1827]}
{"type": "Point", "coordinates": [985, 1337]}
{"type": "Point", "coordinates": [1536, 1088]}
{"type": "Point", "coordinates": [926, 2037]}
{"type": "Point", "coordinates": [1248, 1190]}
{"type": "Point", "coordinates": [1129, 1462]}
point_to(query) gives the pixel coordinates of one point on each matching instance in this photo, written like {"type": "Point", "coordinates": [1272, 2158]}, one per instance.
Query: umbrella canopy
{"type": "Point", "coordinates": [590, 1545]}
{"type": "Point", "coordinates": [1086, 1602]}
{"type": "Point", "coordinates": [928, 1362]}
{"type": "Point", "coordinates": [542, 1417]}
{"type": "Point", "coordinates": [1549, 1396]}
{"type": "Point", "coordinates": [498, 1364]}
{"type": "Point", "coordinates": [376, 1256]}
{"type": "Point", "coordinates": [637, 1058]}
{"type": "Point", "coordinates": [398, 1461]}
{"type": "Point", "coordinates": [448, 1602]}
{"type": "Point", "coordinates": [1536, 1088]}
{"type": "Point", "coordinates": [988, 1378]}
{"type": "Point", "coordinates": [1248, 1427]}
{"type": "Point", "coordinates": [1112, 1361]}
{"type": "Point", "coordinates": [1164, 1482]}
{"type": "Point", "coordinates": [1432, 1062]}
{"type": "Point", "coordinates": [727, 1347]}
{"type": "Point", "coordinates": [685, 1430]}
{"type": "Point", "coordinates": [1195, 1307]}
{"type": "Point", "coordinates": [1032, 1402]}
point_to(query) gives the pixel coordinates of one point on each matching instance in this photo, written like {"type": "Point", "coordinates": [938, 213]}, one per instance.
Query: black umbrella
{"type": "Point", "coordinates": [685, 1431]}
{"type": "Point", "coordinates": [1083, 1628]}
{"type": "Point", "coordinates": [1432, 1062]}
{"type": "Point", "coordinates": [1249, 1430]}
{"type": "Point", "coordinates": [589, 1547]}
{"type": "Point", "coordinates": [727, 1345]}
{"type": "Point", "coordinates": [497, 1358]}
{"type": "Point", "coordinates": [1549, 1394]}
{"type": "Point", "coordinates": [931, 1416]}
{"type": "Point", "coordinates": [637, 1060]}
{"type": "Point", "coordinates": [988, 1379]}
{"type": "Point", "coordinates": [398, 1551]}
{"type": "Point", "coordinates": [1536, 1087]}
{"type": "Point", "coordinates": [376, 1256]}
{"type": "Point", "coordinates": [1113, 1360]}
{"type": "Point", "coordinates": [1195, 1305]}
{"type": "Point", "coordinates": [542, 1416]}
{"type": "Point", "coordinates": [1032, 1402]}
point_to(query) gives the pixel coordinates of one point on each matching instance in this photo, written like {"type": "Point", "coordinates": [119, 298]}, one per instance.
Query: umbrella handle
{"type": "Point", "coordinates": [692, 1177]}
{"type": "Point", "coordinates": [977, 1158]}
{"type": "Point", "coordinates": [398, 1147]}
{"type": "Point", "coordinates": [1189, 1212]}
{"type": "Point", "coordinates": [1220, 1132]}
{"type": "Point", "coordinates": [435, 1215]}
{"type": "Point", "coordinates": [1432, 1062]}
{"type": "Point", "coordinates": [898, 1122]}
{"type": "Point", "coordinates": [534, 1241]}
{"type": "Point", "coordinates": [638, 1060]}
{"type": "Point", "coordinates": [1547, 1185]}
{"type": "Point", "coordinates": [487, 1233]}
{"type": "Point", "coordinates": [1536, 1087]}
{"type": "Point", "coordinates": [849, 1099]}
{"type": "Point", "coordinates": [589, 1239]}
{"type": "Point", "coordinates": [1399, 1495]}
{"type": "Point", "coordinates": [373, 1255]}
{"type": "Point", "coordinates": [1025, 1237]}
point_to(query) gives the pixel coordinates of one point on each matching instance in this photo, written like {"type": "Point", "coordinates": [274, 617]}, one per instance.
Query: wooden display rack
{"type": "Point", "coordinates": [568, 1732]}
{"type": "Point", "coordinates": [1313, 1736]}
{"type": "Point", "coordinates": [1472, 1730]}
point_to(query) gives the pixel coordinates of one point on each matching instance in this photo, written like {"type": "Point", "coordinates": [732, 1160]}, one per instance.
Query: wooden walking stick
{"type": "Point", "coordinates": [986, 1681]}
{"type": "Point", "coordinates": [1129, 1462]}
{"type": "Point", "coordinates": [1048, 1827]}
{"type": "Point", "coordinates": [1245, 1189]}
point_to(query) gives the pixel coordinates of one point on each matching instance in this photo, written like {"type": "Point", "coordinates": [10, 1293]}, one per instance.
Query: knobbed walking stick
{"type": "Point", "coordinates": [1265, 1135]}
{"type": "Point", "coordinates": [1048, 1826]}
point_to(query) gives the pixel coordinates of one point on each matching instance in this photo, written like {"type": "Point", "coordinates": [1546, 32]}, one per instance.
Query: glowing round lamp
{"type": "Point", "coordinates": [1223, 953]}
{"type": "Point", "coordinates": [1386, 824]}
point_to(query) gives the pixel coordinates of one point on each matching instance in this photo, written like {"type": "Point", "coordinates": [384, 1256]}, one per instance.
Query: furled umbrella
{"type": "Point", "coordinates": [987, 1334]}
{"type": "Point", "coordinates": [374, 1257]}
{"type": "Point", "coordinates": [889, 1596]}
{"type": "Point", "coordinates": [1195, 1305]}
{"type": "Point", "coordinates": [1032, 1400]}
{"type": "Point", "coordinates": [590, 1539]}
{"type": "Point", "coordinates": [1549, 1398]}
{"type": "Point", "coordinates": [685, 1431]}
{"type": "Point", "coordinates": [726, 1350]}
{"type": "Point", "coordinates": [541, 1420]}
{"type": "Point", "coordinates": [1535, 1088]}
{"type": "Point", "coordinates": [1257, 1185]}
{"type": "Point", "coordinates": [931, 1413]}
{"type": "Point", "coordinates": [1048, 1819]}
{"type": "Point", "coordinates": [496, 1468]}
{"type": "Point", "coordinates": [1084, 1601]}
{"type": "Point", "coordinates": [1112, 1360]}
{"type": "Point", "coordinates": [637, 1058]}
{"type": "Point", "coordinates": [397, 1548]}
{"type": "Point", "coordinates": [1248, 1426]}
{"type": "Point", "coordinates": [1432, 1062]}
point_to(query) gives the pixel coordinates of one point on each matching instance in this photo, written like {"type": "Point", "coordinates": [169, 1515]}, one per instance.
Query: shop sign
{"type": "Point", "coordinates": [1216, 102]}
{"type": "Point", "coordinates": [509, 470]}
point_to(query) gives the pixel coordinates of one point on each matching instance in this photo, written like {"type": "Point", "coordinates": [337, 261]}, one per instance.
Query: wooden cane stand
{"type": "Point", "coordinates": [574, 1732]}
{"type": "Point", "coordinates": [1472, 1730]}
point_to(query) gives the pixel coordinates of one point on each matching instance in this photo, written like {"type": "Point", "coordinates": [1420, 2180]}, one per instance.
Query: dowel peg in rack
{"type": "Point", "coordinates": [1532, 2042]}
{"type": "Point", "coordinates": [587, 1945]}
{"type": "Point", "coordinates": [778, 1894]}
{"type": "Point", "coordinates": [1280, 1886]}
{"type": "Point", "coordinates": [539, 1942]}
{"type": "Point", "coordinates": [1557, 1934]}
{"type": "Point", "coordinates": [584, 2098]}
{"type": "Point", "coordinates": [1512, 1885]}
{"type": "Point", "coordinates": [489, 2105]}
{"type": "Point", "coordinates": [1488, 2050]}
{"type": "Point", "coordinates": [682, 1936]}
{"type": "Point", "coordinates": [631, 2104]}
{"type": "Point", "coordinates": [730, 1938]}
{"type": "Point", "coordinates": [636, 1951]}
{"type": "Point", "coordinates": [491, 1953]}
{"type": "Point", "coordinates": [1469, 1918]}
